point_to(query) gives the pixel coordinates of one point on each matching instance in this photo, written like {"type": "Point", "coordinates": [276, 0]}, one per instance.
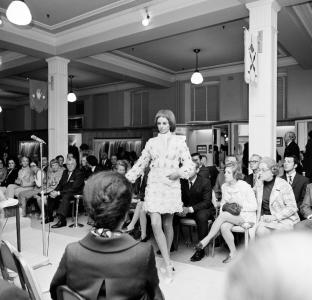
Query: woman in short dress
{"type": "Point", "coordinates": [164, 154]}
{"type": "Point", "coordinates": [237, 191]}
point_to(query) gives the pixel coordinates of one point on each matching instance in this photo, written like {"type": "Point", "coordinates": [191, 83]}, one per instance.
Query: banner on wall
{"type": "Point", "coordinates": [38, 95]}
{"type": "Point", "coordinates": [251, 56]}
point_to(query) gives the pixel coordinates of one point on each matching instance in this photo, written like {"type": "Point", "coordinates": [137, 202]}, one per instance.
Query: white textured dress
{"type": "Point", "coordinates": [163, 154]}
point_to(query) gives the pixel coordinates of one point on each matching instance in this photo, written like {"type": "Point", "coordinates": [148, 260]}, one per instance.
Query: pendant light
{"type": "Point", "coordinates": [18, 13]}
{"type": "Point", "coordinates": [0, 109]}
{"type": "Point", "coordinates": [147, 19]}
{"type": "Point", "coordinates": [71, 96]}
{"type": "Point", "coordinates": [197, 77]}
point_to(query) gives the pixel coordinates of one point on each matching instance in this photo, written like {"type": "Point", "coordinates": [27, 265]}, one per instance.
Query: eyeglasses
{"type": "Point", "coordinates": [253, 161]}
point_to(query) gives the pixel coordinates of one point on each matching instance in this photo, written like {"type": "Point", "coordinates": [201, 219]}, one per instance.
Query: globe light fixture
{"type": "Point", "coordinates": [0, 109]}
{"type": "Point", "coordinates": [18, 13]}
{"type": "Point", "coordinates": [197, 77]}
{"type": "Point", "coordinates": [146, 20]}
{"type": "Point", "coordinates": [71, 96]}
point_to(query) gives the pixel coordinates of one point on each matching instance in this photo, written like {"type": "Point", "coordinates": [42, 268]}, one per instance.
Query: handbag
{"type": "Point", "coordinates": [232, 208]}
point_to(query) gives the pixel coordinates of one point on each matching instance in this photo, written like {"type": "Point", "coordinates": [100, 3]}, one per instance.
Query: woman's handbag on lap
{"type": "Point", "coordinates": [232, 208]}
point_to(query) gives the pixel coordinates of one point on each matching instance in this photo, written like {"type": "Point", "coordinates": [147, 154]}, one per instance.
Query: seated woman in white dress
{"type": "Point", "coordinates": [276, 199]}
{"type": "Point", "coordinates": [163, 154]}
{"type": "Point", "coordinates": [233, 191]}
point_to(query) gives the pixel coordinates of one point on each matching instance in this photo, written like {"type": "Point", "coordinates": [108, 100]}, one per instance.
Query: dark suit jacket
{"type": "Point", "coordinates": [73, 185]}
{"type": "Point", "coordinates": [299, 185]}
{"type": "Point", "coordinates": [210, 173]}
{"type": "Point", "coordinates": [306, 206]}
{"type": "Point", "coordinates": [199, 196]}
{"type": "Point", "coordinates": [109, 268]}
{"type": "Point", "coordinates": [307, 162]}
{"type": "Point", "coordinates": [292, 149]}
{"type": "Point", "coordinates": [107, 166]}
{"type": "Point", "coordinates": [139, 186]}
{"type": "Point", "coordinates": [250, 179]}
{"type": "Point", "coordinates": [10, 177]}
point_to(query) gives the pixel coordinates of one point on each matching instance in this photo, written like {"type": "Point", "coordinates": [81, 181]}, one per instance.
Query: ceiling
{"type": "Point", "coordinates": [108, 47]}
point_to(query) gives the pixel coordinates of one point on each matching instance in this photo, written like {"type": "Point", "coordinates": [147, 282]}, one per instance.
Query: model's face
{"type": "Point", "coordinates": [265, 173]}
{"type": "Point", "coordinates": [163, 125]}
{"type": "Point", "coordinates": [289, 164]}
{"type": "Point", "coordinates": [228, 175]}
{"type": "Point", "coordinates": [121, 170]}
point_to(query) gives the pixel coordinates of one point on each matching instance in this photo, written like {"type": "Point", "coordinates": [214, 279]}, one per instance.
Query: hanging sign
{"type": "Point", "coordinates": [251, 56]}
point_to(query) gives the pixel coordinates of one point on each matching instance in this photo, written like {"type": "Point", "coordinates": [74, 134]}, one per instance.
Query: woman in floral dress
{"type": "Point", "coordinates": [169, 160]}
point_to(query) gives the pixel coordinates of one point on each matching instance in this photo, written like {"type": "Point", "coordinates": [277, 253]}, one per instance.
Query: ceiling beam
{"type": "Point", "coordinates": [15, 85]}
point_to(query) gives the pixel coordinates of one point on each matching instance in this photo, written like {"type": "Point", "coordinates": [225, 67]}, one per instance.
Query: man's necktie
{"type": "Point", "coordinates": [191, 184]}
{"type": "Point", "coordinates": [290, 180]}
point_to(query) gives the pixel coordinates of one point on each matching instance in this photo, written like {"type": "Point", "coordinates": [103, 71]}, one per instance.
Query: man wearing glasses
{"type": "Point", "coordinates": [254, 166]}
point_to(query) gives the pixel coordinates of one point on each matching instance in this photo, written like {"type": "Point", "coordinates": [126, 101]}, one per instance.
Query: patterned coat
{"type": "Point", "coordinates": [163, 154]}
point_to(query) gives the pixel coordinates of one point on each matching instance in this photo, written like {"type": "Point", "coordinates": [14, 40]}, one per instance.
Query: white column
{"type": "Point", "coordinates": [262, 95]}
{"type": "Point", "coordinates": [58, 109]}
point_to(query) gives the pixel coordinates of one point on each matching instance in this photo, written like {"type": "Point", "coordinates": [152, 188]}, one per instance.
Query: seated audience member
{"type": "Point", "coordinates": [298, 182]}
{"type": "Point", "coordinates": [254, 166]}
{"type": "Point", "coordinates": [306, 210]}
{"type": "Point", "coordinates": [132, 158]}
{"type": "Point", "coordinates": [105, 162]}
{"type": "Point", "coordinates": [93, 165]}
{"type": "Point", "coordinates": [270, 268]}
{"type": "Point", "coordinates": [234, 191]}
{"type": "Point", "coordinates": [84, 167]}
{"type": "Point", "coordinates": [121, 167]}
{"type": "Point", "coordinates": [25, 180]}
{"type": "Point", "coordinates": [11, 175]}
{"type": "Point", "coordinates": [45, 164]}
{"type": "Point", "coordinates": [197, 205]}
{"type": "Point", "coordinates": [108, 263]}
{"type": "Point", "coordinates": [5, 158]}
{"type": "Point", "coordinates": [139, 213]}
{"type": "Point", "coordinates": [73, 152]}
{"type": "Point", "coordinates": [210, 173]}
{"type": "Point", "coordinates": [113, 160]}
{"type": "Point", "coordinates": [71, 183]}
{"type": "Point", "coordinates": [60, 159]}
{"type": "Point", "coordinates": [229, 160]}
{"type": "Point", "coordinates": [204, 160]}
{"type": "Point", "coordinates": [276, 199]}
{"type": "Point", "coordinates": [24, 196]}
{"type": "Point", "coordinates": [3, 171]}
{"type": "Point", "coordinates": [53, 178]}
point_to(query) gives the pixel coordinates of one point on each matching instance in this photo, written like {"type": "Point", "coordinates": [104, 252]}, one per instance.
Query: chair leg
{"type": "Point", "coordinates": [246, 238]}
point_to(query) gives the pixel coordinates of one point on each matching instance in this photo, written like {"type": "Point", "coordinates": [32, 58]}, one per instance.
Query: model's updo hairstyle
{"type": "Point", "coordinates": [169, 115]}
{"type": "Point", "coordinates": [271, 164]}
{"type": "Point", "coordinates": [107, 196]}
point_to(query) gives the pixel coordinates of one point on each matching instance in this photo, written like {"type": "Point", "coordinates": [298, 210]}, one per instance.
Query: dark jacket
{"type": "Point", "coordinates": [199, 196]}
{"type": "Point", "coordinates": [299, 186]}
{"type": "Point", "coordinates": [107, 166]}
{"type": "Point", "coordinates": [109, 268]}
{"type": "Point", "coordinates": [73, 185]}
{"type": "Point", "coordinates": [307, 162]}
{"type": "Point", "coordinates": [10, 177]}
{"type": "Point", "coordinates": [292, 149]}
{"type": "Point", "coordinates": [138, 188]}
{"type": "Point", "coordinates": [210, 173]}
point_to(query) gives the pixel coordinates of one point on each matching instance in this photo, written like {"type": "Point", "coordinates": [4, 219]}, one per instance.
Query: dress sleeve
{"type": "Point", "coordinates": [141, 164]}
{"type": "Point", "coordinates": [186, 160]}
{"type": "Point", "coordinates": [249, 202]}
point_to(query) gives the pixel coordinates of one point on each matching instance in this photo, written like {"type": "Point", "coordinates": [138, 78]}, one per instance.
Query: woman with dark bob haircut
{"type": "Point", "coordinates": [236, 191]}
{"type": "Point", "coordinates": [169, 159]}
{"type": "Point", "coordinates": [107, 263]}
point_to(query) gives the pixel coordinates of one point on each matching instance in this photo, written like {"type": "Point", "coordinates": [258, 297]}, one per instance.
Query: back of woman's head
{"type": "Point", "coordinates": [108, 197]}
{"type": "Point", "coordinates": [271, 164]}
{"type": "Point", "coordinates": [275, 267]}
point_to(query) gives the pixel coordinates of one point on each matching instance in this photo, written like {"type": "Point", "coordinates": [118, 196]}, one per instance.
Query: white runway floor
{"type": "Point", "coordinates": [199, 281]}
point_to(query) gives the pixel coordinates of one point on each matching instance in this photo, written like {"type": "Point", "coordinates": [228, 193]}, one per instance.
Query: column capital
{"type": "Point", "coordinates": [58, 65]}
{"type": "Point", "coordinates": [260, 3]}
{"type": "Point", "coordinates": [59, 59]}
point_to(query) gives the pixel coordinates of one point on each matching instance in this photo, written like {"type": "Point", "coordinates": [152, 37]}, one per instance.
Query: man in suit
{"type": "Point", "coordinates": [291, 148]}
{"type": "Point", "coordinates": [105, 162]}
{"type": "Point", "coordinates": [197, 204]}
{"type": "Point", "coordinates": [93, 164]}
{"type": "Point", "coordinates": [297, 181]}
{"type": "Point", "coordinates": [210, 173]}
{"type": "Point", "coordinates": [252, 178]}
{"type": "Point", "coordinates": [71, 183]}
{"type": "Point", "coordinates": [306, 210]}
